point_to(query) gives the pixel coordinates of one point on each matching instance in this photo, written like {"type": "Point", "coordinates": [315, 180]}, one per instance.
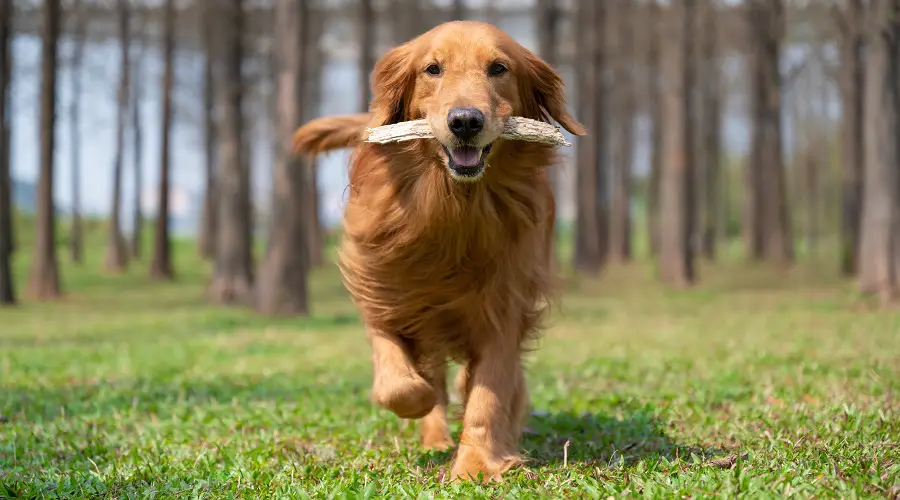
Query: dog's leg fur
{"type": "Point", "coordinates": [493, 412]}
{"type": "Point", "coordinates": [434, 429]}
{"type": "Point", "coordinates": [462, 383]}
{"type": "Point", "coordinates": [397, 385]}
{"type": "Point", "coordinates": [520, 407]}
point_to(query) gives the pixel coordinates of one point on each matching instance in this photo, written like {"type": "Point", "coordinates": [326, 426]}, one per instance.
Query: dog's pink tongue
{"type": "Point", "coordinates": [466, 156]}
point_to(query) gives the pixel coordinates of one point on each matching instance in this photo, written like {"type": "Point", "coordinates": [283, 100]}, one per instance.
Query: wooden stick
{"type": "Point", "coordinates": [517, 129]}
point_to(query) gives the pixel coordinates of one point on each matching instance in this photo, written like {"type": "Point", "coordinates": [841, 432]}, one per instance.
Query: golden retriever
{"type": "Point", "coordinates": [446, 246]}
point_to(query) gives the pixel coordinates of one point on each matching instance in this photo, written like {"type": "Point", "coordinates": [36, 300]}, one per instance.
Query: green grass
{"type": "Point", "coordinates": [757, 384]}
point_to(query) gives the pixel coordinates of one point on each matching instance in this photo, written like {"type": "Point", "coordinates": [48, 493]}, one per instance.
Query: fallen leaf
{"type": "Point", "coordinates": [727, 462]}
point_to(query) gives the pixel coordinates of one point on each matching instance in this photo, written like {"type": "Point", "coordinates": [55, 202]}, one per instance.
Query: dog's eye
{"type": "Point", "coordinates": [497, 69]}
{"type": "Point", "coordinates": [433, 70]}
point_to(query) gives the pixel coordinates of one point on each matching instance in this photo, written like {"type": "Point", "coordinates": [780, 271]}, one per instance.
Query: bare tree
{"type": "Point", "coordinates": [879, 260]}
{"type": "Point", "coordinates": [44, 279]}
{"type": "Point", "coordinates": [710, 154]}
{"type": "Point", "coordinates": [769, 224]}
{"type": "Point", "coordinates": [654, 106]}
{"type": "Point", "coordinates": [548, 38]}
{"type": "Point", "coordinates": [625, 109]}
{"type": "Point", "coordinates": [851, 84]}
{"type": "Point", "coordinates": [367, 23]}
{"type": "Point", "coordinates": [492, 12]}
{"type": "Point", "coordinates": [811, 166]}
{"type": "Point", "coordinates": [676, 259]}
{"type": "Point", "coordinates": [408, 20]}
{"type": "Point", "coordinates": [138, 137]}
{"type": "Point", "coordinates": [601, 136]}
{"type": "Point", "coordinates": [282, 286]}
{"type": "Point", "coordinates": [312, 88]}
{"type": "Point", "coordinates": [233, 278]}
{"type": "Point", "coordinates": [7, 288]}
{"type": "Point", "coordinates": [547, 15]}
{"type": "Point", "coordinates": [591, 225]}
{"type": "Point", "coordinates": [116, 250]}
{"type": "Point", "coordinates": [76, 236]}
{"type": "Point", "coordinates": [161, 266]}
{"type": "Point", "coordinates": [458, 10]}
{"type": "Point", "coordinates": [208, 234]}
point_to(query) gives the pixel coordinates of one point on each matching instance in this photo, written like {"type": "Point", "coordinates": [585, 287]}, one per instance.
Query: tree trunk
{"type": "Point", "coordinates": [711, 150]}
{"type": "Point", "coordinates": [161, 266]}
{"type": "Point", "coordinates": [232, 279]}
{"type": "Point", "coordinates": [76, 236]}
{"type": "Point", "coordinates": [811, 167]}
{"type": "Point", "coordinates": [44, 279]}
{"type": "Point", "coordinates": [548, 39]}
{"type": "Point", "coordinates": [881, 209]}
{"type": "Point", "coordinates": [625, 111]}
{"type": "Point", "coordinates": [7, 288]}
{"type": "Point", "coordinates": [458, 10]}
{"type": "Point", "coordinates": [6, 138]}
{"type": "Point", "coordinates": [367, 23]}
{"type": "Point", "coordinates": [492, 13]}
{"type": "Point", "coordinates": [676, 259]}
{"type": "Point", "coordinates": [137, 144]}
{"type": "Point", "coordinates": [590, 243]}
{"type": "Point", "coordinates": [655, 110]}
{"type": "Point", "coordinates": [116, 250]}
{"type": "Point", "coordinates": [209, 221]}
{"type": "Point", "coordinates": [752, 223]}
{"type": "Point", "coordinates": [408, 20]}
{"type": "Point", "coordinates": [282, 287]}
{"type": "Point", "coordinates": [773, 235]}
{"type": "Point", "coordinates": [851, 84]}
{"type": "Point", "coordinates": [313, 94]}
{"type": "Point", "coordinates": [601, 131]}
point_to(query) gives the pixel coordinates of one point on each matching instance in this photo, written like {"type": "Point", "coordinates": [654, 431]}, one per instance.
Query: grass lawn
{"type": "Point", "coordinates": [757, 384]}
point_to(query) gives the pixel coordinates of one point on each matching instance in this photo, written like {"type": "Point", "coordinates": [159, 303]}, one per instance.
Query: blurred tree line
{"type": "Point", "coordinates": [658, 62]}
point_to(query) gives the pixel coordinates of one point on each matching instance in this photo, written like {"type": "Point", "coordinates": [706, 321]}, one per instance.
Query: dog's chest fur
{"type": "Point", "coordinates": [448, 269]}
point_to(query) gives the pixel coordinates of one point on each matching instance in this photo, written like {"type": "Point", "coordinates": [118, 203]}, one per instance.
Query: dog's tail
{"type": "Point", "coordinates": [330, 132]}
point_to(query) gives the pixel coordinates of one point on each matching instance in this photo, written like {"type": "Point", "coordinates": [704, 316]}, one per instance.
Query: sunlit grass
{"type": "Point", "coordinates": [759, 382]}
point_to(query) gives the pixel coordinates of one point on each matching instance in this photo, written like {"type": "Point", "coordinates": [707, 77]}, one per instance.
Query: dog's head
{"type": "Point", "coordinates": [466, 78]}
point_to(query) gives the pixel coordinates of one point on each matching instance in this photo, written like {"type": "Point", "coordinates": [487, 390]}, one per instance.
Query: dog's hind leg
{"type": "Point", "coordinates": [521, 406]}
{"type": "Point", "coordinates": [397, 384]}
{"type": "Point", "coordinates": [434, 428]}
{"type": "Point", "coordinates": [462, 382]}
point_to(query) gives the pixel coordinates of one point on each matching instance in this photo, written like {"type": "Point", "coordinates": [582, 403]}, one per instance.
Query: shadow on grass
{"type": "Point", "coordinates": [594, 439]}
{"type": "Point", "coordinates": [602, 440]}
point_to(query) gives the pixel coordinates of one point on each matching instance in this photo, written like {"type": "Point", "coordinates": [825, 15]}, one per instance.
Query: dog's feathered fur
{"type": "Point", "coordinates": [442, 269]}
{"type": "Point", "coordinates": [333, 132]}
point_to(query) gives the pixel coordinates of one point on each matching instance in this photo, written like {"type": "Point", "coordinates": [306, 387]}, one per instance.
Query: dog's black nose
{"type": "Point", "coordinates": [465, 123]}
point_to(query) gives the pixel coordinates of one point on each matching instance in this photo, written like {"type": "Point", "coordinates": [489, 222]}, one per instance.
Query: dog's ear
{"type": "Point", "coordinates": [392, 86]}
{"type": "Point", "coordinates": [543, 93]}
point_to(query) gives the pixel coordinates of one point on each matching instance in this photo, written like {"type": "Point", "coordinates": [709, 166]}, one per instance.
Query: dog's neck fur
{"type": "Point", "coordinates": [415, 202]}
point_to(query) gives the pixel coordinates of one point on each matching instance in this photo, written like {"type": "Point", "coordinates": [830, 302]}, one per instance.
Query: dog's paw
{"type": "Point", "coordinates": [472, 463]}
{"type": "Point", "coordinates": [437, 443]}
{"type": "Point", "coordinates": [436, 436]}
{"type": "Point", "coordinates": [407, 396]}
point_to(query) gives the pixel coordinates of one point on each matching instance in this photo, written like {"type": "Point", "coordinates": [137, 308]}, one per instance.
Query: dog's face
{"type": "Point", "coordinates": [466, 79]}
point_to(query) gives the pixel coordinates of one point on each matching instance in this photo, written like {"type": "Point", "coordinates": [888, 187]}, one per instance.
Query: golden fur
{"type": "Point", "coordinates": [448, 270]}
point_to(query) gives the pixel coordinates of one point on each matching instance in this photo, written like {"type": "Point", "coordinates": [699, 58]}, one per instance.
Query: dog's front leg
{"type": "Point", "coordinates": [397, 385]}
{"type": "Point", "coordinates": [434, 428]}
{"type": "Point", "coordinates": [493, 412]}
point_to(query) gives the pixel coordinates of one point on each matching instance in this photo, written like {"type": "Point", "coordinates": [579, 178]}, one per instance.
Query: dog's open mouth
{"type": "Point", "coordinates": [467, 162]}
